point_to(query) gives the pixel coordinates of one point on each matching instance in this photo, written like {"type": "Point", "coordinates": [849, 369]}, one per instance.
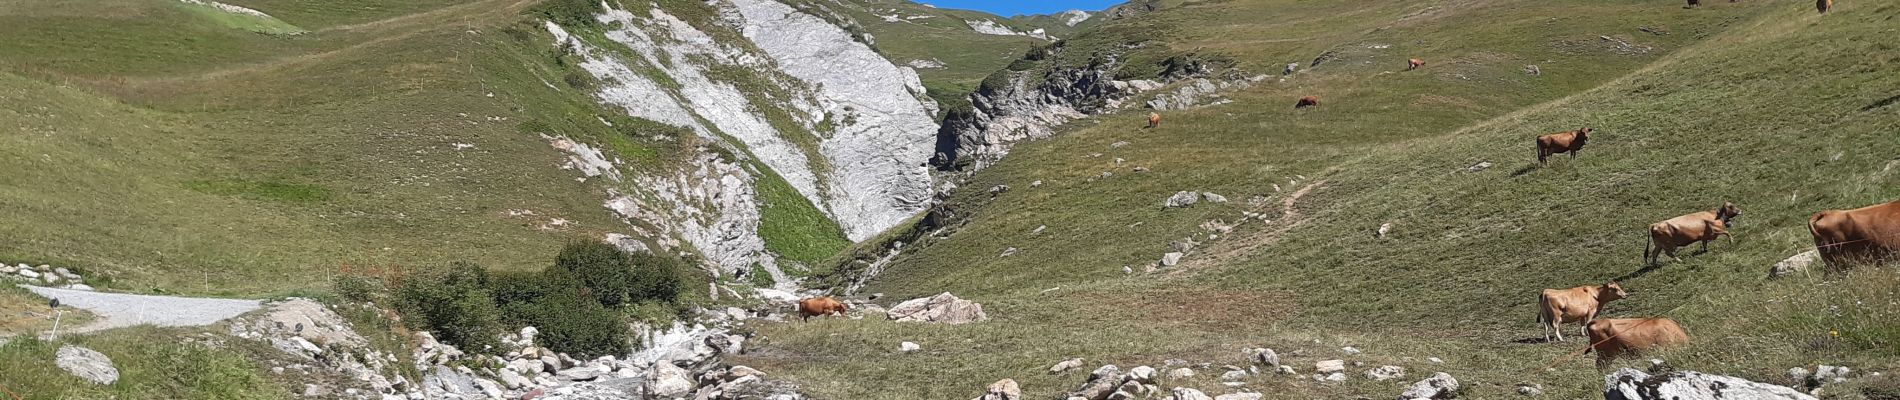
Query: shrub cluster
{"type": "Point", "coordinates": [578, 304]}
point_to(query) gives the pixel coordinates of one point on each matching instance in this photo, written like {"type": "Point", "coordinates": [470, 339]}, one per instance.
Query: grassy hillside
{"type": "Point", "coordinates": [1771, 106]}
{"type": "Point", "coordinates": [178, 154]}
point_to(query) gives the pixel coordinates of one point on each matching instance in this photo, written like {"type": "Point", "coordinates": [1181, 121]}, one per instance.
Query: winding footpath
{"type": "Point", "coordinates": [118, 310]}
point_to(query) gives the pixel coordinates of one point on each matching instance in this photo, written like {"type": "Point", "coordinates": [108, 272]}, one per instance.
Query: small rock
{"type": "Point", "coordinates": [512, 379]}
{"type": "Point", "coordinates": [1141, 169]}
{"type": "Point", "coordinates": [1144, 374]}
{"type": "Point", "coordinates": [1332, 377]}
{"type": "Point", "coordinates": [1530, 389]}
{"type": "Point", "coordinates": [1349, 350]}
{"type": "Point", "coordinates": [1290, 68]}
{"type": "Point", "coordinates": [1066, 365]}
{"type": "Point", "coordinates": [579, 374]}
{"type": "Point", "coordinates": [313, 390]}
{"type": "Point", "coordinates": [1435, 360]}
{"type": "Point", "coordinates": [1181, 393]}
{"type": "Point", "coordinates": [1181, 199]}
{"type": "Point", "coordinates": [1213, 198]}
{"type": "Point", "coordinates": [1794, 264]}
{"type": "Point", "coordinates": [999, 189]}
{"type": "Point", "coordinates": [1387, 372]}
{"type": "Point", "coordinates": [944, 308]}
{"type": "Point", "coordinates": [1006, 389]}
{"type": "Point", "coordinates": [1170, 259]}
{"type": "Point", "coordinates": [1233, 376]}
{"type": "Point", "coordinates": [1286, 369]}
{"type": "Point", "coordinates": [1532, 70]}
{"type": "Point", "coordinates": [1330, 366]}
{"type": "Point", "coordinates": [668, 381]}
{"type": "Point", "coordinates": [908, 347]}
{"type": "Point", "coordinates": [1439, 386]}
{"type": "Point", "coordinates": [1799, 375]}
{"type": "Point", "coordinates": [86, 364]}
{"type": "Point", "coordinates": [1180, 373]}
{"type": "Point", "coordinates": [1265, 356]}
{"type": "Point", "coordinates": [1037, 183]}
{"type": "Point", "coordinates": [1480, 166]}
{"type": "Point", "coordinates": [29, 274]}
{"type": "Point", "coordinates": [1239, 396]}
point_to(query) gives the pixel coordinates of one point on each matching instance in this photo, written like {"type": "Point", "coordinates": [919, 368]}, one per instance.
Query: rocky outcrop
{"type": "Point", "coordinates": [1014, 106]}
{"type": "Point", "coordinates": [86, 364]}
{"type": "Point", "coordinates": [944, 308]}
{"type": "Point", "coordinates": [1630, 384]}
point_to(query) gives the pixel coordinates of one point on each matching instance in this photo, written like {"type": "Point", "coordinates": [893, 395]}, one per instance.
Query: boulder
{"type": "Point", "coordinates": [668, 381]}
{"type": "Point", "coordinates": [1330, 366]}
{"type": "Point", "coordinates": [1630, 384]}
{"type": "Point", "coordinates": [943, 308]}
{"type": "Point", "coordinates": [1143, 374]}
{"type": "Point", "coordinates": [1439, 386]}
{"type": "Point", "coordinates": [1388, 372]}
{"type": "Point", "coordinates": [1181, 199]}
{"type": "Point", "coordinates": [86, 364]}
{"type": "Point", "coordinates": [1003, 390]}
{"type": "Point", "coordinates": [1101, 383]}
{"type": "Point", "coordinates": [1794, 264]}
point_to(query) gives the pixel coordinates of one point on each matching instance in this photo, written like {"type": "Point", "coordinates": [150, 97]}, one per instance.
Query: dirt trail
{"type": "Point", "coordinates": [1242, 245]}
{"type": "Point", "coordinates": [118, 310]}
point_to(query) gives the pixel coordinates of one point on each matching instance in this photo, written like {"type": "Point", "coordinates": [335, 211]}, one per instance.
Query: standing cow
{"type": "Point", "coordinates": [1154, 120]}
{"type": "Point", "coordinates": [1577, 304]}
{"type": "Point", "coordinates": [820, 306]}
{"type": "Point", "coordinates": [1866, 234]}
{"type": "Point", "coordinates": [1685, 230]}
{"type": "Point", "coordinates": [1561, 142]}
{"type": "Point", "coordinates": [1613, 337]}
{"type": "Point", "coordinates": [1307, 101]}
{"type": "Point", "coordinates": [1823, 5]}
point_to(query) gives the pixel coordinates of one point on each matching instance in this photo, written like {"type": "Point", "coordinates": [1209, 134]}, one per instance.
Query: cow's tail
{"type": "Point", "coordinates": [1542, 310]}
{"type": "Point", "coordinates": [1649, 240]}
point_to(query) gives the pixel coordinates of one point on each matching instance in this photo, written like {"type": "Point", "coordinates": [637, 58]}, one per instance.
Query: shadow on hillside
{"type": "Point", "coordinates": [1533, 340]}
{"type": "Point", "coordinates": [1639, 273]}
{"type": "Point", "coordinates": [1525, 170]}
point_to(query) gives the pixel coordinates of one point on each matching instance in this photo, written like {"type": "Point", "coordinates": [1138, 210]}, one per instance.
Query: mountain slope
{"type": "Point", "coordinates": [1767, 105]}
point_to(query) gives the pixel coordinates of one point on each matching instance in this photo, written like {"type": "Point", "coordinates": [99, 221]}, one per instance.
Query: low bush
{"type": "Point", "coordinates": [456, 305]}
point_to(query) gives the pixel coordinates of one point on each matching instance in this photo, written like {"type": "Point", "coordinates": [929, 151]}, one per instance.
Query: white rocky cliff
{"type": "Point", "coordinates": [860, 128]}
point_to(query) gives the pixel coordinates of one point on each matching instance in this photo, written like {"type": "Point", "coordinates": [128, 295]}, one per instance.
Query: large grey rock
{"type": "Point", "coordinates": [1264, 356]}
{"type": "Point", "coordinates": [1171, 259]}
{"type": "Point", "coordinates": [944, 308]}
{"type": "Point", "coordinates": [86, 364]}
{"type": "Point", "coordinates": [1630, 384]}
{"type": "Point", "coordinates": [1794, 264]}
{"type": "Point", "coordinates": [1439, 386]}
{"type": "Point", "coordinates": [668, 381]}
{"type": "Point", "coordinates": [1142, 374]}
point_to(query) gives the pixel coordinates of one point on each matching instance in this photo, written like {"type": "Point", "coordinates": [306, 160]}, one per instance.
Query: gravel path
{"type": "Point", "coordinates": [118, 310]}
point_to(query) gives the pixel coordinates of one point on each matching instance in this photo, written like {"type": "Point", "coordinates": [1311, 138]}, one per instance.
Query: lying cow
{"type": "Point", "coordinates": [819, 306]}
{"type": "Point", "coordinates": [1308, 101]}
{"type": "Point", "coordinates": [1867, 234]}
{"type": "Point", "coordinates": [1685, 230]}
{"type": "Point", "coordinates": [1561, 142]}
{"type": "Point", "coordinates": [1154, 120]}
{"type": "Point", "coordinates": [1413, 64]}
{"type": "Point", "coordinates": [1612, 337]}
{"type": "Point", "coordinates": [1577, 304]}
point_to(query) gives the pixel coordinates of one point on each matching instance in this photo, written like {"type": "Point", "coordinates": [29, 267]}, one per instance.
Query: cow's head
{"type": "Point", "coordinates": [1612, 291]}
{"type": "Point", "coordinates": [1583, 134]}
{"type": "Point", "coordinates": [1727, 213]}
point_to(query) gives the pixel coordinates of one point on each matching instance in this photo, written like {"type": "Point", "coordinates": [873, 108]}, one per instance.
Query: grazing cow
{"type": "Point", "coordinates": [1308, 101]}
{"type": "Point", "coordinates": [1866, 234]}
{"type": "Point", "coordinates": [1685, 230]}
{"type": "Point", "coordinates": [1611, 337]}
{"type": "Point", "coordinates": [1693, 3]}
{"type": "Point", "coordinates": [1561, 142]}
{"type": "Point", "coordinates": [1413, 64]}
{"type": "Point", "coordinates": [819, 306]}
{"type": "Point", "coordinates": [1154, 120]}
{"type": "Point", "coordinates": [1577, 304]}
{"type": "Point", "coordinates": [1823, 5]}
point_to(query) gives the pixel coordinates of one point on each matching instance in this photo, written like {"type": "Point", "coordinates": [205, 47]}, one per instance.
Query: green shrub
{"type": "Point", "coordinates": [569, 319]}
{"type": "Point", "coordinates": [456, 305]}
{"type": "Point", "coordinates": [359, 289]}
{"type": "Point", "coordinates": [604, 271]}
{"type": "Point", "coordinates": [656, 278]}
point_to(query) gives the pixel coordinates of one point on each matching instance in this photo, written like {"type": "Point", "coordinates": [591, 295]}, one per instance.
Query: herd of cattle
{"type": "Point", "coordinates": [1841, 237]}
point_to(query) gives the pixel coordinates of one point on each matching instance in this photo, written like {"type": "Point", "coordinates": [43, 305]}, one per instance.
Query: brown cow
{"type": "Point", "coordinates": [1866, 234]}
{"type": "Point", "coordinates": [820, 306]}
{"type": "Point", "coordinates": [1308, 101]}
{"type": "Point", "coordinates": [1154, 120]}
{"type": "Point", "coordinates": [1561, 142]}
{"type": "Point", "coordinates": [1577, 304]}
{"type": "Point", "coordinates": [1611, 337]}
{"type": "Point", "coordinates": [1413, 64]}
{"type": "Point", "coordinates": [1823, 5]}
{"type": "Point", "coordinates": [1685, 230]}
